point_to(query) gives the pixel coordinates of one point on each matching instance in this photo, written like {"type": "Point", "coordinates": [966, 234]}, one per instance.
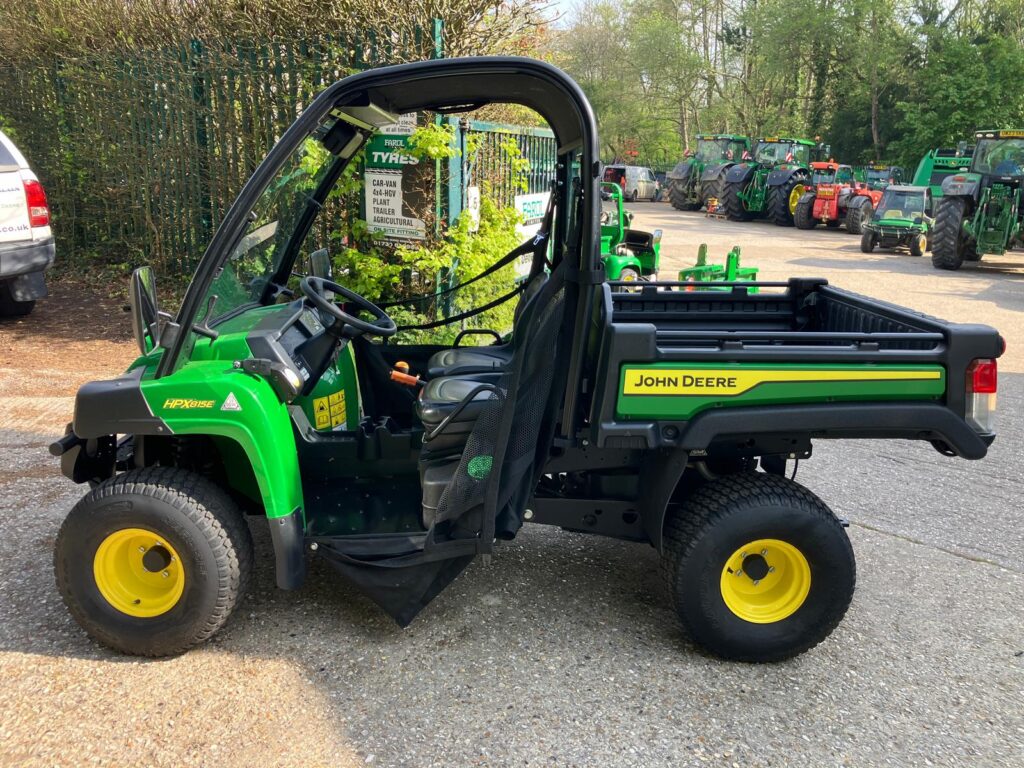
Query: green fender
{"type": "Point", "coordinates": [614, 264]}
{"type": "Point", "coordinates": [213, 398]}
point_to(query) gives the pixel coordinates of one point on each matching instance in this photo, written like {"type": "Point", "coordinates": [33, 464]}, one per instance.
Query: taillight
{"type": "Point", "coordinates": [982, 383]}
{"type": "Point", "coordinates": [38, 210]}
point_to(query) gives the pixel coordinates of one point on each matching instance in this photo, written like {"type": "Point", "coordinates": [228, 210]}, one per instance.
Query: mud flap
{"type": "Point", "coordinates": [403, 584]}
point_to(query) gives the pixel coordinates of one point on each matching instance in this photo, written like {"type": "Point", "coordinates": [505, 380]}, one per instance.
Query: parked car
{"type": "Point", "coordinates": [26, 241]}
{"type": "Point", "coordinates": [636, 182]}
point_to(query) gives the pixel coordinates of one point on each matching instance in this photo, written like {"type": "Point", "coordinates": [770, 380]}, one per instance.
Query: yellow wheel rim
{"type": "Point", "coordinates": [765, 581]}
{"type": "Point", "coordinates": [795, 195]}
{"type": "Point", "coordinates": [138, 572]}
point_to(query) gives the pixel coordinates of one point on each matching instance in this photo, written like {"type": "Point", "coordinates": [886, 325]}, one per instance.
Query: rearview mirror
{"type": "Point", "coordinates": [320, 264]}
{"type": "Point", "coordinates": [145, 309]}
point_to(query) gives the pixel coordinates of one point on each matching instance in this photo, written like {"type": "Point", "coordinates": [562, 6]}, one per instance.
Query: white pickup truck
{"type": "Point", "coordinates": [26, 241]}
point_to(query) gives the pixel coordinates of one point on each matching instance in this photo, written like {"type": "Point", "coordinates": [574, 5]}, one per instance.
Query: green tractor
{"type": "Point", "coordinates": [628, 254]}
{"type": "Point", "coordinates": [772, 181]}
{"type": "Point", "coordinates": [980, 211]}
{"type": "Point", "coordinates": [902, 219]}
{"type": "Point", "coordinates": [701, 174]}
{"type": "Point", "coordinates": [939, 163]}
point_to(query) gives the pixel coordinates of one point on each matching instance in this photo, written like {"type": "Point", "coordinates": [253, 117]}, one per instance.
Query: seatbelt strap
{"type": "Point", "coordinates": [465, 315]}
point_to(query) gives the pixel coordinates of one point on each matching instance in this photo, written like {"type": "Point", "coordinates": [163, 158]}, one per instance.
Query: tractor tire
{"type": "Point", "coordinates": [950, 246]}
{"type": "Point", "coordinates": [857, 214]}
{"type": "Point", "coordinates": [733, 205]}
{"type": "Point", "coordinates": [677, 196]}
{"type": "Point", "coordinates": [714, 189]}
{"type": "Point", "coordinates": [187, 530]}
{"type": "Point", "coordinates": [778, 200]}
{"type": "Point", "coordinates": [918, 245]}
{"type": "Point", "coordinates": [10, 306]}
{"type": "Point", "coordinates": [759, 569]}
{"type": "Point", "coordinates": [867, 241]}
{"type": "Point", "coordinates": [803, 216]}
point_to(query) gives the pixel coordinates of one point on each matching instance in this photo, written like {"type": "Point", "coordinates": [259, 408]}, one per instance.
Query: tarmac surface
{"type": "Point", "coordinates": [563, 651]}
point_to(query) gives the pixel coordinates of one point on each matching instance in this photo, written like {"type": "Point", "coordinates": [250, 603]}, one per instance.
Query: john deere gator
{"type": "Point", "coordinates": [701, 175]}
{"type": "Point", "coordinates": [772, 181]}
{"type": "Point", "coordinates": [980, 211]}
{"type": "Point", "coordinates": [658, 416]}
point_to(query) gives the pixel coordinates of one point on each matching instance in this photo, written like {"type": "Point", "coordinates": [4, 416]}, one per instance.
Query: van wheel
{"type": "Point", "coordinates": [153, 561]}
{"type": "Point", "coordinates": [11, 307]}
{"type": "Point", "coordinates": [758, 567]}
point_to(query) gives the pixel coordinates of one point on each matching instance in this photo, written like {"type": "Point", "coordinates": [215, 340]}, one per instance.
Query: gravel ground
{"type": "Point", "coordinates": [563, 650]}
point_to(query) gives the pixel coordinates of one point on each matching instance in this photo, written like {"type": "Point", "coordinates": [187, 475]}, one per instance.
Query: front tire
{"type": "Point", "coordinates": [951, 246]}
{"type": "Point", "coordinates": [918, 245]}
{"type": "Point", "coordinates": [857, 214]}
{"type": "Point", "coordinates": [758, 567]}
{"type": "Point", "coordinates": [735, 210]}
{"type": "Point", "coordinates": [867, 241]}
{"type": "Point", "coordinates": [783, 199]}
{"type": "Point", "coordinates": [153, 562]}
{"type": "Point", "coordinates": [803, 216]}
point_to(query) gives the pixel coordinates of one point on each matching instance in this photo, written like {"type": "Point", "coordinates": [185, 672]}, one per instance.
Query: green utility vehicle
{"type": "Point", "coordinates": [659, 415]}
{"type": "Point", "coordinates": [772, 182]}
{"type": "Point", "coordinates": [701, 174]}
{"type": "Point", "coordinates": [937, 164]}
{"type": "Point", "coordinates": [981, 210]}
{"type": "Point", "coordinates": [628, 254]}
{"type": "Point", "coordinates": [902, 219]}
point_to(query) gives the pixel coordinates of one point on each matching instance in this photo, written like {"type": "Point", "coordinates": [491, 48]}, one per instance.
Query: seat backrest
{"type": "Point", "coordinates": [496, 472]}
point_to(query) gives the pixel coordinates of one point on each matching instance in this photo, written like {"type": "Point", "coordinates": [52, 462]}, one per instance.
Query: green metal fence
{"type": "Point", "coordinates": [142, 154]}
{"type": "Point", "coordinates": [490, 166]}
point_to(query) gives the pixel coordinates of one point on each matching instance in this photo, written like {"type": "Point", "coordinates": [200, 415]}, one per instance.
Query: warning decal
{"type": "Point", "coordinates": [322, 413]}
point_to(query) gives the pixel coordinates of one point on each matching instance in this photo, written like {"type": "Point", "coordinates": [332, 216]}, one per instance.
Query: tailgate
{"type": "Point", "coordinates": [14, 223]}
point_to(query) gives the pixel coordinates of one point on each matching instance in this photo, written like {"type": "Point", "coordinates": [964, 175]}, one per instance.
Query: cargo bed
{"type": "Point", "coordinates": [802, 324]}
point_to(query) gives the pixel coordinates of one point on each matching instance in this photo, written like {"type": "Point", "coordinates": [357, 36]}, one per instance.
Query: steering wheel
{"type": "Point", "coordinates": [315, 287]}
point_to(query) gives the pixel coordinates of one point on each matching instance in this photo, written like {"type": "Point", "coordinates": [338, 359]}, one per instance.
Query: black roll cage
{"type": "Point", "coordinates": [439, 85]}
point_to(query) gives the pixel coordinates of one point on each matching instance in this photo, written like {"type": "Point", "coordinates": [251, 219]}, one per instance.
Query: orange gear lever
{"type": "Point", "coordinates": [401, 375]}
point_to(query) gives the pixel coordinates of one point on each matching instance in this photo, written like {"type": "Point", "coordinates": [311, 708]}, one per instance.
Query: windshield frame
{"type": "Point", "coordinates": [890, 193]}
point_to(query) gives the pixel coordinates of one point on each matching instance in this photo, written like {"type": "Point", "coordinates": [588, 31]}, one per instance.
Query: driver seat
{"type": "Point", "coordinates": [457, 361]}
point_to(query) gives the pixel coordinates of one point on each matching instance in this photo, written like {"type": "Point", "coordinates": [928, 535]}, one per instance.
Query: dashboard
{"type": "Point", "coordinates": [296, 337]}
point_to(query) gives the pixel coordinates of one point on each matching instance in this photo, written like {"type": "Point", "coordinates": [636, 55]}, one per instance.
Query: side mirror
{"type": "Point", "coordinates": [145, 309]}
{"type": "Point", "coordinates": [320, 264]}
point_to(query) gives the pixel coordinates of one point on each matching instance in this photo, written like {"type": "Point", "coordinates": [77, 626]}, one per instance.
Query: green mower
{"type": "Point", "coordinates": [657, 416]}
{"type": "Point", "coordinates": [628, 254]}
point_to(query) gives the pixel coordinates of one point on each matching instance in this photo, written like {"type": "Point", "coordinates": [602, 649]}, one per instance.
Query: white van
{"type": "Point", "coordinates": [637, 182]}
{"type": "Point", "coordinates": [26, 241]}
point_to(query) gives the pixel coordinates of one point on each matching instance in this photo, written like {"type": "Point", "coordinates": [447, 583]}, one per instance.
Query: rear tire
{"type": "Point", "coordinates": [713, 189]}
{"type": "Point", "coordinates": [677, 195]}
{"type": "Point", "coordinates": [803, 217]}
{"type": "Point", "coordinates": [199, 536]}
{"type": "Point", "coordinates": [11, 307]}
{"type": "Point", "coordinates": [857, 214]}
{"type": "Point", "coordinates": [733, 204]}
{"type": "Point", "coordinates": [786, 598]}
{"type": "Point", "coordinates": [867, 241]}
{"type": "Point", "coordinates": [950, 244]}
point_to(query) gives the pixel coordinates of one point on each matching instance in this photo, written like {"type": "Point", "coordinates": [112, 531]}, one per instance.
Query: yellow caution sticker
{"type": "Point", "coordinates": [729, 383]}
{"type": "Point", "coordinates": [321, 412]}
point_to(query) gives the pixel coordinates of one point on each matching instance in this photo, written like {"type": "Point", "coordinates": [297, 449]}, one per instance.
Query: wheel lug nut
{"type": "Point", "coordinates": [142, 549]}
{"type": "Point", "coordinates": [756, 582]}
{"type": "Point", "coordinates": [742, 555]}
{"type": "Point", "coordinates": [166, 574]}
{"type": "Point", "coordinates": [764, 552]}
{"type": "Point", "coordinates": [771, 569]}
{"type": "Point", "coordinates": [739, 571]}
